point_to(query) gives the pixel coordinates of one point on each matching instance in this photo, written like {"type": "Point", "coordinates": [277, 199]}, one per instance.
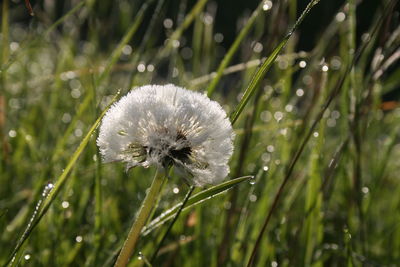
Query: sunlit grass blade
{"type": "Point", "coordinates": [60, 182]}
{"type": "Point", "coordinates": [233, 49]}
{"type": "Point", "coordinates": [192, 201]}
{"type": "Point", "coordinates": [262, 71]}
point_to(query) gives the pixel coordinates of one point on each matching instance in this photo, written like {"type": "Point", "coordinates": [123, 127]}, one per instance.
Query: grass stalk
{"type": "Point", "coordinates": [141, 219]}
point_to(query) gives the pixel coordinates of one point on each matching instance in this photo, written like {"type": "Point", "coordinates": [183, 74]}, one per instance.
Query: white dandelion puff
{"type": "Point", "coordinates": [166, 125]}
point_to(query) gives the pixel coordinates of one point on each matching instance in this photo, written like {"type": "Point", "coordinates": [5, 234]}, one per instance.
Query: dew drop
{"type": "Point", "coordinates": [12, 133]}
{"type": "Point", "coordinates": [150, 68]}
{"type": "Point", "coordinates": [141, 67]}
{"type": "Point", "coordinates": [66, 117]}
{"type": "Point", "coordinates": [65, 204]}
{"type": "Point", "coordinates": [278, 116]}
{"type": "Point", "coordinates": [289, 108]}
{"type": "Point", "coordinates": [258, 47]}
{"type": "Point", "coordinates": [253, 198]}
{"type": "Point", "coordinates": [267, 5]}
{"type": "Point", "coordinates": [227, 205]}
{"type": "Point", "coordinates": [302, 64]}
{"type": "Point", "coordinates": [365, 190]}
{"type": "Point", "coordinates": [168, 23]}
{"type": "Point", "coordinates": [46, 191]}
{"type": "Point", "coordinates": [79, 239]}
{"type": "Point", "coordinates": [14, 46]}
{"type": "Point", "coordinates": [336, 63]}
{"type": "Point", "coordinates": [127, 50]}
{"type": "Point", "coordinates": [266, 157]}
{"type": "Point", "coordinates": [218, 37]}
{"type": "Point", "coordinates": [270, 148]}
{"type": "Point", "coordinates": [252, 180]}
{"type": "Point", "coordinates": [299, 92]}
{"type": "Point", "coordinates": [340, 17]}
{"type": "Point", "coordinates": [176, 43]}
{"type": "Point", "coordinates": [265, 116]}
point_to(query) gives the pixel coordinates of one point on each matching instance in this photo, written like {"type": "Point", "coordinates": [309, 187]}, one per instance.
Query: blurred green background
{"type": "Point", "coordinates": [341, 205]}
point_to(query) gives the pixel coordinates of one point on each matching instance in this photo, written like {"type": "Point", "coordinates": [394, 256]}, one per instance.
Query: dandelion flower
{"type": "Point", "coordinates": [166, 125]}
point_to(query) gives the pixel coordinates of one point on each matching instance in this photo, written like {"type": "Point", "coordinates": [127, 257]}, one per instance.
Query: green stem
{"type": "Point", "coordinates": [189, 193]}
{"type": "Point", "coordinates": [142, 217]}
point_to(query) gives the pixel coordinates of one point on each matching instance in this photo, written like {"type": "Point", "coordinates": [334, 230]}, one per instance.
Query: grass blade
{"type": "Point", "coordinates": [232, 50]}
{"type": "Point", "coordinates": [188, 194]}
{"type": "Point", "coordinates": [300, 150]}
{"type": "Point", "coordinates": [262, 71]}
{"type": "Point", "coordinates": [194, 200]}
{"type": "Point", "coordinates": [61, 20]}
{"type": "Point", "coordinates": [127, 37]}
{"type": "Point", "coordinates": [60, 182]}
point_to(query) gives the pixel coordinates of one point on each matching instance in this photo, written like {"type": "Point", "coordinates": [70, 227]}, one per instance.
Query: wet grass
{"type": "Point", "coordinates": [318, 130]}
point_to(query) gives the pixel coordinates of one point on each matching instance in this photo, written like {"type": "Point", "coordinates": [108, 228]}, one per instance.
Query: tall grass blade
{"type": "Point", "coordinates": [127, 37]}
{"type": "Point", "coordinates": [60, 182]}
{"type": "Point", "coordinates": [319, 116]}
{"type": "Point", "coordinates": [262, 71]}
{"type": "Point", "coordinates": [233, 49]}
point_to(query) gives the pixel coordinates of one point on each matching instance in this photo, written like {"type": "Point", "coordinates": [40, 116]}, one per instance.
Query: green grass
{"type": "Point", "coordinates": [318, 130]}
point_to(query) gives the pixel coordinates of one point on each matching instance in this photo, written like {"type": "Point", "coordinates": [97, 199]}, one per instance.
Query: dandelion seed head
{"type": "Point", "coordinates": [165, 125]}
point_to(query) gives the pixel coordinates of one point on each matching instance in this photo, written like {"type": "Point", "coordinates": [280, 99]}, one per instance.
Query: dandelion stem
{"type": "Point", "coordinates": [141, 219]}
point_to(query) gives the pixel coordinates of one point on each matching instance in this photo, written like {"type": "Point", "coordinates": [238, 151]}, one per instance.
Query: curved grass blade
{"type": "Point", "coordinates": [59, 183]}
{"type": "Point", "coordinates": [232, 50]}
{"type": "Point", "coordinates": [262, 71]}
{"type": "Point", "coordinates": [192, 201]}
